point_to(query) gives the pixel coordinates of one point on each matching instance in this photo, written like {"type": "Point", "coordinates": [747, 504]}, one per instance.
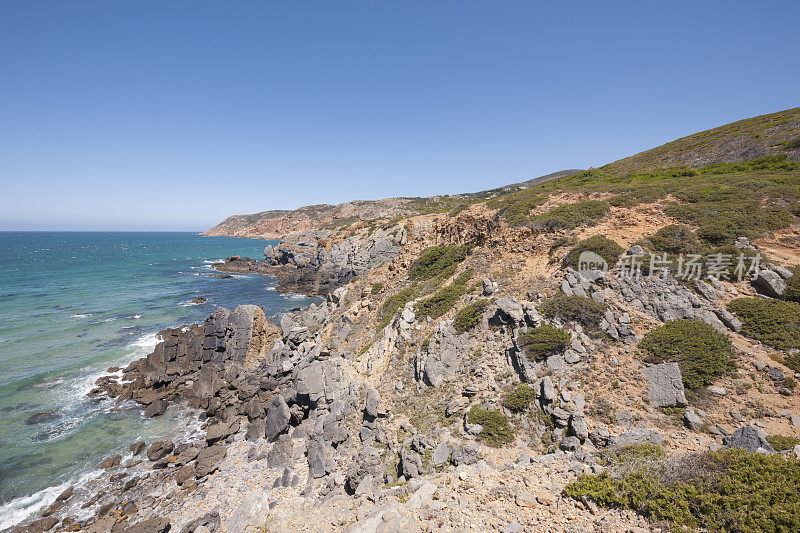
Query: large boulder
{"type": "Point", "coordinates": [277, 419]}
{"type": "Point", "coordinates": [770, 283]}
{"type": "Point", "coordinates": [209, 459]}
{"type": "Point", "coordinates": [665, 385]}
{"type": "Point", "coordinates": [159, 449]}
{"type": "Point", "coordinates": [640, 435]}
{"type": "Point", "coordinates": [511, 308]}
{"type": "Point", "coordinates": [750, 438]}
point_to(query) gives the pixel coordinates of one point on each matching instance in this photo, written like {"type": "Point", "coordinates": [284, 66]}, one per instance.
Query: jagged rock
{"type": "Point", "coordinates": [156, 408]}
{"type": "Point", "coordinates": [489, 287]}
{"type": "Point", "coordinates": [775, 373]}
{"type": "Point", "coordinates": [137, 447]}
{"type": "Point", "coordinates": [159, 449]}
{"type": "Point", "coordinates": [770, 283]}
{"type": "Point", "coordinates": [209, 459]}
{"type": "Point", "coordinates": [311, 383]}
{"type": "Point", "coordinates": [410, 464]}
{"type": "Point", "coordinates": [150, 525]}
{"type": "Point", "coordinates": [600, 437]}
{"type": "Point", "coordinates": [186, 456]}
{"type": "Point", "coordinates": [441, 454]}
{"type": "Point", "coordinates": [210, 521]}
{"type": "Point", "coordinates": [255, 430]}
{"type": "Point", "coordinates": [221, 430]}
{"type": "Point", "coordinates": [511, 308]}
{"type": "Point", "coordinates": [579, 427]}
{"type": "Point", "coordinates": [692, 420]}
{"type": "Point", "coordinates": [706, 290]}
{"type": "Point", "coordinates": [443, 356]}
{"type": "Point", "coordinates": [464, 454]}
{"type": "Point", "coordinates": [640, 435]}
{"type": "Point", "coordinates": [318, 464]}
{"type": "Point", "coordinates": [277, 419]}
{"type": "Point", "coordinates": [570, 444]}
{"type": "Point", "coordinates": [665, 385]}
{"type": "Point", "coordinates": [547, 390]}
{"type": "Point", "coordinates": [750, 438]}
{"type": "Point", "coordinates": [110, 462]}
{"type": "Point", "coordinates": [371, 407]}
{"type": "Point", "coordinates": [728, 319]}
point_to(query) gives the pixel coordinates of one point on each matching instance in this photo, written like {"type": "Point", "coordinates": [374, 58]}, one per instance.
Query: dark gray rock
{"type": "Point", "coordinates": [371, 407]}
{"type": "Point", "coordinates": [464, 454]}
{"type": "Point", "coordinates": [750, 438]}
{"type": "Point", "coordinates": [318, 464]}
{"type": "Point", "coordinates": [277, 419]}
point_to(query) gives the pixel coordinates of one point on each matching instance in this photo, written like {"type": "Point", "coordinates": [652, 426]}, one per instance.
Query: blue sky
{"type": "Point", "coordinates": [174, 115]}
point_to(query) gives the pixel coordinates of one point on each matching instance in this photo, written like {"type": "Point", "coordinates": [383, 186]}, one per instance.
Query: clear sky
{"type": "Point", "coordinates": [174, 115]}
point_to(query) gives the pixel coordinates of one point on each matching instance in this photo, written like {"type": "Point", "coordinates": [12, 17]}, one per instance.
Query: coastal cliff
{"type": "Point", "coordinates": [465, 371]}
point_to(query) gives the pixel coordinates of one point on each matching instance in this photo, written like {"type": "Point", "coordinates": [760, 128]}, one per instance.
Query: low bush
{"type": "Point", "coordinates": [782, 443]}
{"type": "Point", "coordinates": [376, 288]}
{"type": "Point", "coordinates": [574, 308]}
{"type": "Point", "coordinates": [702, 353]}
{"type": "Point", "coordinates": [675, 239]}
{"type": "Point", "coordinates": [570, 216]}
{"type": "Point", "coordinates": [520, 398]}
{"type": "Point", "coordinates": [539, 342]}
{"type": "Point", "coordinates": [792, 361]}
{"type": "Point", "coordinates": [792, 292]}
{"type": "Point", "coordinates": [496, 429]}
{"type": "Point", "coordinates": [631, 453]}
{"type": "Point", "coordinates": [393, 304]}
{"type": "Point", "coordinates": [599, 244]}
{"type": "Point", "coordinates": [445, 298]}
{"type": "Point", "coordinates": [437, 261]}
{"type": "Point", "coordinates": [730, 490]}
{"type": "Point", "coordinates": [776, 323]}
{"type": "Point", "coordinates": [469, 316]}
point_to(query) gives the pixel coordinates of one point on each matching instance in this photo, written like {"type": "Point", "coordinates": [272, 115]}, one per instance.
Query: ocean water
{"type": "Point", "coordinates": [71, 306]}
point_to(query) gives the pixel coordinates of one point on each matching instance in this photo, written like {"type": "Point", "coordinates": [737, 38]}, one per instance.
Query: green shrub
{"type": "Point", "coordinates": [782, 442]}
{"type": "Point", "coordinates": [675, 239]}
{"type": "Point", "coordinates": [469, 316]}
{"type": "Point", "coordinates": [393, 304]}
{"type": "Point", "coordinates": [574, 308]}
{"type": "Point", "coordinates": [599, 244]}
{"type": "Point", "coordinates": [730, 490]}
{"type": "Point", "coordinates": [776, 323]}
{"type": "Point", "coordinates": [539, 342]}
{"type": "Point", "coordinates": [520, 398]}
{"type": "Point", "coordinates": [437, 261]}
{"type": "Point", "coordinates": [792, 292]}
{"type": "Point", "coordinates": [496, 429]}
{"type": "Point", "coordinates": [570, 216]}
{"type": "Point", "coordinates": [632, 452]}
{"type": "Point", "coordinates": [445, 298]}
{"type": "Point", "coordinates": [702, 353]}
{"type": "Point", "coordinates": [376, 288]}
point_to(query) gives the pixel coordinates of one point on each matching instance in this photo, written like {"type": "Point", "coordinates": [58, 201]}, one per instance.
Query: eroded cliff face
{"type": "Point", "coordinates": [319, 261]}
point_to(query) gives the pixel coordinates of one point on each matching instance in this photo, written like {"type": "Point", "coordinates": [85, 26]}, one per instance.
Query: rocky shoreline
{"type": "Point", "coordinates": [315, 263]}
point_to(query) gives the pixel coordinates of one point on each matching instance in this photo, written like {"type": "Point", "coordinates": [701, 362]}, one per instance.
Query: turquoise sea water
{"type": "Point", "coordinates": [74, 304]}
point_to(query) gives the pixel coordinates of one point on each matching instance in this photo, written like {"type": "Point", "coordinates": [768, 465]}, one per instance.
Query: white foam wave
{"type": "Point", "coordinates": [15, 511]}
{"type": "Point", "coordinates": [81, 315]}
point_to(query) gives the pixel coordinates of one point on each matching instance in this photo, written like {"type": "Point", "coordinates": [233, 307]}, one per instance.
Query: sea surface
{"type": "Point", "coordinates": [73, 304]}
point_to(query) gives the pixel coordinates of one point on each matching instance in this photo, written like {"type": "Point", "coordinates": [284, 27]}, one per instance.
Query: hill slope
{"type": "Point", "coordinates": [765, 135]}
